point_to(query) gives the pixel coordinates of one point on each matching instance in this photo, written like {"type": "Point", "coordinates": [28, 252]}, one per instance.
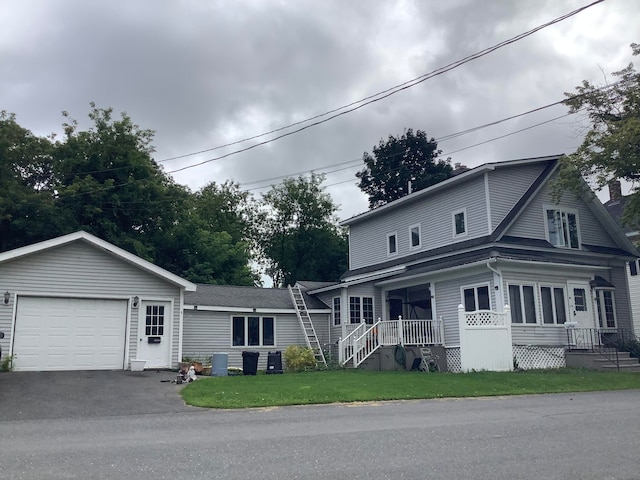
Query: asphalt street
{"type": "Point", "coordinates": [565, 436]}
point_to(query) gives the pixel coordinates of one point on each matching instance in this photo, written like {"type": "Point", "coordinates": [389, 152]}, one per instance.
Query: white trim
{"type": "Point", "coordinates": [389, 252]}
{"type": "Point", "coordinates": [260, 331]}
{"type": "Point", "coordinates": [97, 242]}
{"type": "Point", "coordinates": [520, 284]}
{"type": "Point", "coordinates": [411, 245]}
{"type": "Point", "coordinates": [563, 210]}
{"type": "Point", "coordinates": [487, 199]}
{"type": "Point", "coordinates": [217, 308]}
{"type": "Point", "coordinates": [169, 328]}
{"type": "Point", "coordinates": [462, 211]}
{"type": "Point", "coordinates": [333, 311]}
{"type": "Point", "coordinates": [475, 287]}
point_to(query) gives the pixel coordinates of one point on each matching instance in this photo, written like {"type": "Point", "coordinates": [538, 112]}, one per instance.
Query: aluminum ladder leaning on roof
{"type": "Point", "coordinates": [307, 326]}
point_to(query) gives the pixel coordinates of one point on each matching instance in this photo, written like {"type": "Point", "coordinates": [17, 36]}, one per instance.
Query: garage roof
{"type": "Point", "coordinates": [82, 236]}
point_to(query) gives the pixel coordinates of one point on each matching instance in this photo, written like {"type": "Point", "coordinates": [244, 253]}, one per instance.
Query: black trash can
{"type": "Point", "coordinates": [274, 362]}
{"type": "Point", "coordinates": [250, 362]}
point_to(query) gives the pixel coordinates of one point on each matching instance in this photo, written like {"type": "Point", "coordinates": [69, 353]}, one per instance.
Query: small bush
{"type": "Point", "coordinates": [299, 359]}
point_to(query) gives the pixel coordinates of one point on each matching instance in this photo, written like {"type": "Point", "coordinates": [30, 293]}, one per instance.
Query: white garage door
{"type": "Point", "coordinates": [69, 334]}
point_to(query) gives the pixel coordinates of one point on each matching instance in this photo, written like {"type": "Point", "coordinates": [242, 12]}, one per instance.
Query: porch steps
{"type": "Point", "coordinates": [597, 361]}
{"type": "Point", "coordinates": [307, 325]}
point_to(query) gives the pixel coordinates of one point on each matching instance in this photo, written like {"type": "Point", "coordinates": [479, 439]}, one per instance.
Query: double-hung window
{"type": "Point", "coordinates": [562, 227]}
{"type": "Point", "coordinates": [523, 303]}
{"type": "Point", "coordinates": [361, 308]}
{"type": "Point", "coordinates": [252, 331]}
{"type": "Point", "coordinates": [605, 303]}
{"type": "Point", "coordinates": [476, 298]}
{"type": "Point", "coordinates": [336, 310]}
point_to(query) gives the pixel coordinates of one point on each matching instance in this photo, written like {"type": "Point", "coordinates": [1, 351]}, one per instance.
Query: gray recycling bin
{"type": "Point", "coordinates": [219, 364]}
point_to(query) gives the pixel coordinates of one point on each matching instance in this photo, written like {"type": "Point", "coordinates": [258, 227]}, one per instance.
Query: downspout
{"type": "Point", "coordinates": [497, 281]}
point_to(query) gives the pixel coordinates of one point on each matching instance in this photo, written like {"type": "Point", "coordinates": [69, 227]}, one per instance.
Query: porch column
{"type": "Point", "coordinates": [384, 306]}
{"type": "Point", "coordinates": [344, 311]}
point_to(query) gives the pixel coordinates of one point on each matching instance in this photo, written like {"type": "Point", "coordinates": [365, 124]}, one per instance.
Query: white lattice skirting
{"type": "Point", "coordinates": [530, 357]}
{"type": "Point", "coordinates": [453, 360]}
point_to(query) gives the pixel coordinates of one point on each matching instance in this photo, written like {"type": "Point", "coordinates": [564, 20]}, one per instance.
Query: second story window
{"type": "Point", "coordinates": [562, 228]}
{"type": "Point", "coordinates": [392, 243]}
{"type": "Point", "coordinates": [459, 223]}
{"type": "Point", "coordinates": [414, 237]}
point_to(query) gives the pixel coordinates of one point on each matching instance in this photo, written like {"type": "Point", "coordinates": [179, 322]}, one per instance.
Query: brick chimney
{"type": "Point", "coordinates": [615, 190]}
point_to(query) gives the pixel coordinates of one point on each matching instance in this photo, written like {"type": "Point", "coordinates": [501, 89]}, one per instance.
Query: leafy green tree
{"type": "Point", "coordinates": [108, 184]}
{"type": "Point", "coordinates": [211, 242]}
{"type": "Point", "coordinates": [298, 235]}
{"type": "Point", "coordinates": [409, 158]}
{"type": "Point", "coordinates": [611, 147]}
{"type": "Point", "coordinates": [27, 209]}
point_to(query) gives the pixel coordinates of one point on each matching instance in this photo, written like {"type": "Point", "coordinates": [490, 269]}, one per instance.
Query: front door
{"type": "Point", "coordinates": [154, 338]}
{"type": "Point", "coordinates": [581, 312]}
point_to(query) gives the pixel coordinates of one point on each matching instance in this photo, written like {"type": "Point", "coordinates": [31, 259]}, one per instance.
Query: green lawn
{"type": "Point", "coordinates": [361, 386]}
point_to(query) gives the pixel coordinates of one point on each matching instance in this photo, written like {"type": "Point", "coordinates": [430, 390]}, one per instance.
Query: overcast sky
{"type": "Point", "coordinates": [205, 73]}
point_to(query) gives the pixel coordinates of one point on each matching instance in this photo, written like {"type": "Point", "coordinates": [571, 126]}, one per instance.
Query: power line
{"type": "Point", "coordinates": [393, 90]}
{"type": "Point", "coordinates": [388, 93]}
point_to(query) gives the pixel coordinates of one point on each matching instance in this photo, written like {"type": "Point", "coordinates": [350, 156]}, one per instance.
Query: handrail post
{"type": "Point", "coordinates": [400, 335]}
{"type": "Point", "coordinates": [340, 351]}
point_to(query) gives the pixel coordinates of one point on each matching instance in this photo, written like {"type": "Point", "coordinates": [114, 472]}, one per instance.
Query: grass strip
{"type": "Point", "coordinates": [361, 386]}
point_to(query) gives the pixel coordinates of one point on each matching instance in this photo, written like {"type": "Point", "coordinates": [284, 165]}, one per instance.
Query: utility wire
{"type": "Point", "coordinates": [404, 86]}
{"type": "Point", "coordinates": [390, 91]}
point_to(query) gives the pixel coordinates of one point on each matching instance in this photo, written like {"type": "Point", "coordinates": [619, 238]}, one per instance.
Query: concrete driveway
{"type": "Point", "coordinates": [49, 395]}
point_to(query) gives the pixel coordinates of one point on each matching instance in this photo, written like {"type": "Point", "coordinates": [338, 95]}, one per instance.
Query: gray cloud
{"type": "Point", "coordinates": [202, 74]}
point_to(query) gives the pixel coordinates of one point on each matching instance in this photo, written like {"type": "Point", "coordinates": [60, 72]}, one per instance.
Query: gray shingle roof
{"type": "Point", "coordinates": [249, 297]}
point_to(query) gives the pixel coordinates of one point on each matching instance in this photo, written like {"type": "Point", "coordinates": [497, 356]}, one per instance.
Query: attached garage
{"type": "Point", "coordinates": [79, 303]}
{"type": "Point", "coordinates": [70, 333]}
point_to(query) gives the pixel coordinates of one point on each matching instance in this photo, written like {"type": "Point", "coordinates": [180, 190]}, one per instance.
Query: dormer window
{"type": "Point", "coordinates": [392, 244]}
{"type": "Point", "coordinates": [562, 227]}
{"type": "Point", "coordinates": [460, 223]}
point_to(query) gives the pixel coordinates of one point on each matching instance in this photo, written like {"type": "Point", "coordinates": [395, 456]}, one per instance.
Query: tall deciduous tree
{"type": "Point", "coordinates": [27, 210]}
{"type": "Point", "coordinates": [299, 236]}
{"type": "Point", "coordinates": [212, 241]}
{"type": "Point", "coordinates": [410, 159]}
{"type": "Point", "coordinates": [611, 148]}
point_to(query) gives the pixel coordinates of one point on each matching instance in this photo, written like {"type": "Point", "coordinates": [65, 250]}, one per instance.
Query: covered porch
{"type": "Point", "coordinates": [407, 319]}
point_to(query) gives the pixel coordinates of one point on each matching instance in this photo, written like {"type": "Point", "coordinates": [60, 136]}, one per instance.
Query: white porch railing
{"type": "Point", "coordinates": [362, 342]}
{"type": "Point", "coordinates": [345, 345]}
{"type": "Point", "coordinates": [485, 340]}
